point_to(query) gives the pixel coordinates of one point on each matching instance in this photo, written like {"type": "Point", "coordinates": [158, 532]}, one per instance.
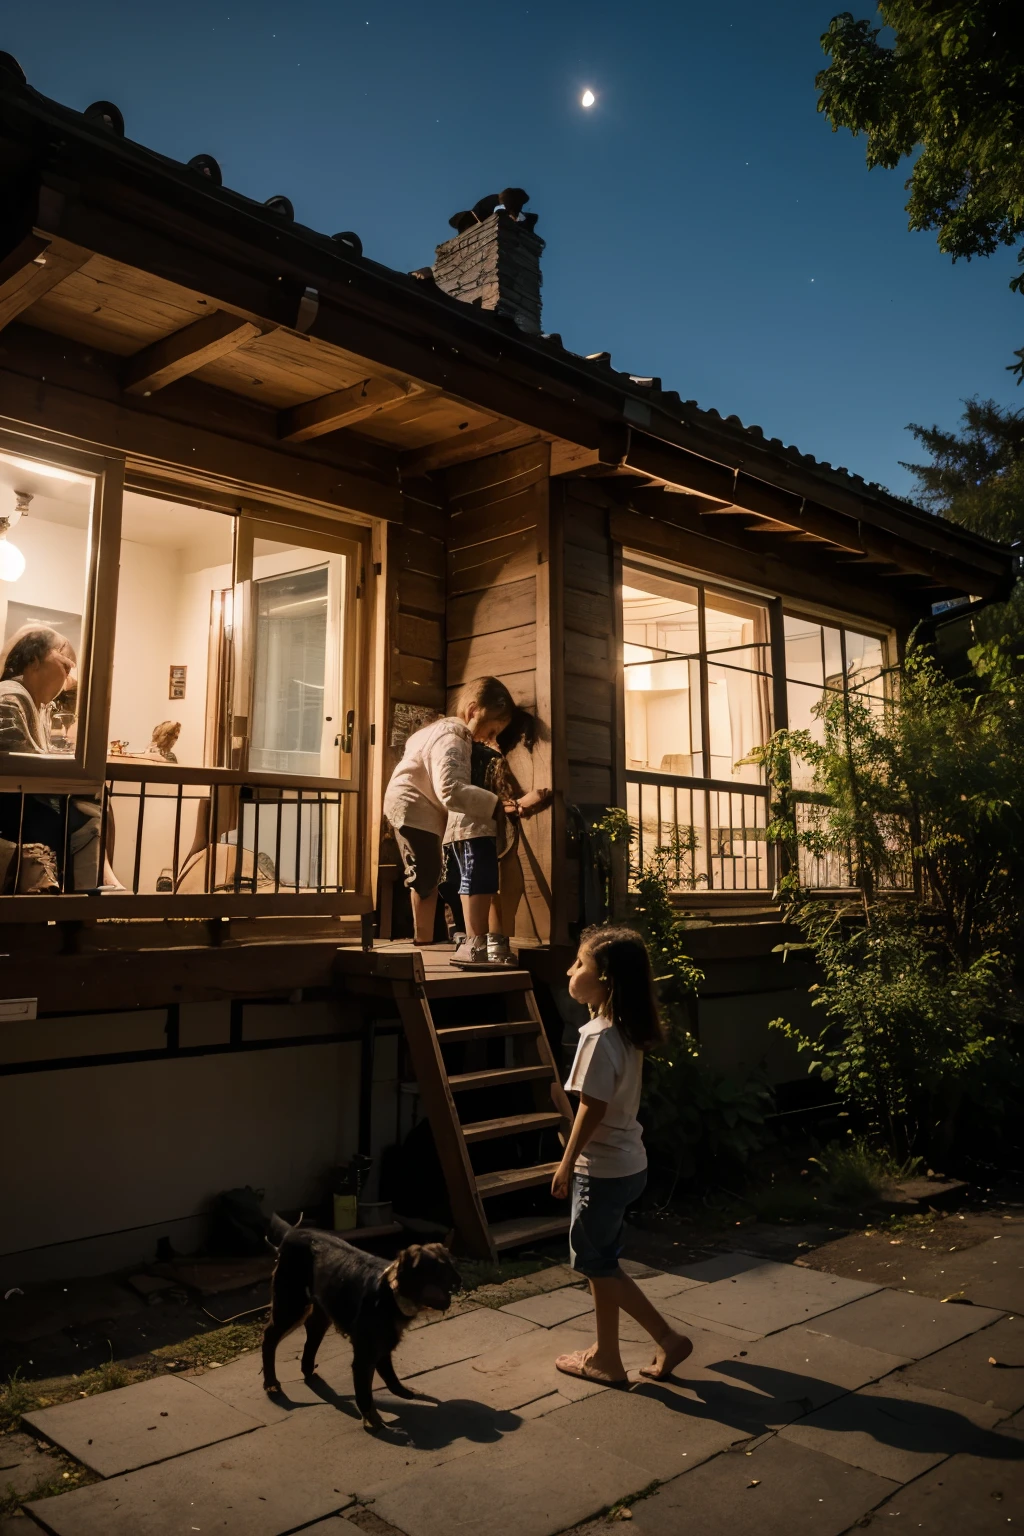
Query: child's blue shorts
{"type": "Point", "coordinates": [476, 862]}
{"type": "Point", "coordinates": [598, 1216]}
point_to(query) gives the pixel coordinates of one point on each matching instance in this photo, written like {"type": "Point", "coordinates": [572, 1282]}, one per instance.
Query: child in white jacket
{"type": "Point", "coordinates": [434, 778]}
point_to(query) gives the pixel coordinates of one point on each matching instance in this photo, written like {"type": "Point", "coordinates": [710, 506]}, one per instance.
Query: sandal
{"type": "Point", "coordinates": [577, 1364]}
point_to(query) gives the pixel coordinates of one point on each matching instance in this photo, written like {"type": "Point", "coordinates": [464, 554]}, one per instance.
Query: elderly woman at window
{"type": "Point", "coordinates": [36, 831]}
{"type": "Point", "coordinates": [35, 670]}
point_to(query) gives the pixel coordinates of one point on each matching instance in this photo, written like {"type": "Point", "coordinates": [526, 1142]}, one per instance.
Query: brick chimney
{"type": "Point", "coordinates": [494, 259]}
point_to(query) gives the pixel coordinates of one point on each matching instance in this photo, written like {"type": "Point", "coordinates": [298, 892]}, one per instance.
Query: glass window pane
{"type": "Point", "coordinates": [803, 651]}
{"type": "Point", "coordinates": [298, 603]}
{"type": "Point", "coordinates": [663, 717]}
{"type": "Point", "coordinates": [659, 613]}
{"type": "Point", "coordinates": [865, 659]}
{"type": "Point", "coordinates": [833, 657]}
{"type": "Point", "coordinates": [45, 513]}
{"type": "Point", "coordinates": [172, 650]}
{"type": "Point", "coordinates": [739, 719]}
{"type": "Point", "coordinates": [802, 703]}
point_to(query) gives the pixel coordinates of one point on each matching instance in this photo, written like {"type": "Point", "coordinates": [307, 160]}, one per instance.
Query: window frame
{"type": "Point", "coordinates": [86, 769]}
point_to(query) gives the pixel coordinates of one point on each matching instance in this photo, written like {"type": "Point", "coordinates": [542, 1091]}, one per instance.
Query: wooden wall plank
{"type": "Point", "coordinates": [415, 551]}
{"type": "Point", "coordinates": [586, 613]}
{"type": "Point", "coordinates": [516, 515]}
{"type": "Point", "coordinates": [591, 697]}
{"type": "Point", "coordinates": [420, 637]}
{"type": "Point", "coordinates": [495, 608]}
{"type": "Point", "coordinates": [508, 559]}
{"type": "Point", "coordinates": [415, 679]}
{"type": "Point", "coordinates": [589, 741]}
{"type": "Point", "coordinates": [504, 473]}
{"type": "Point", "coordinates": [588, 571]}
{"type": "Point", "coordinates": [590, 785]}
{"type": "Point", "coordinates": [589, 656]}
{"type": "Point", "coordinates": [509, 650]}
{"type": "Point", "coordinates": [419, 593]}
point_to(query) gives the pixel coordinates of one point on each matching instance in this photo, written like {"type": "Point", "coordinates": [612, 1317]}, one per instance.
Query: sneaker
{"type": "Point", "coordinates": [38, 873]}
{"type": "Point", "coordinates": [472, 955]}
{"type": "Point", "coordinates": [499, 951]}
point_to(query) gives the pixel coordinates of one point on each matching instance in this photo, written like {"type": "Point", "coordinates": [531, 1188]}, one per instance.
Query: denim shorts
{"type": "Point", "coordinates": [475, 861]}
{"type": "Point", "coordinates": [598, 1216]}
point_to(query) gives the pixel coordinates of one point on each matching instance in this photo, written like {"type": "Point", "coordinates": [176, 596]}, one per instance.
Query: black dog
{"type": "Point", "coordinates": [321, 1279]}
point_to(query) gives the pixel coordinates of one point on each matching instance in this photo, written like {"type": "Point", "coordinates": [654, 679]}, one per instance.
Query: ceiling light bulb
{"type": "Point", "coordinates": [588, 98]}
{"type": "Point", "coordinates": [12, 561]}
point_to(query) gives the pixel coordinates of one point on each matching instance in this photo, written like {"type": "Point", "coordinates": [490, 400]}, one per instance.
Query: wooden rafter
{"type": "Point", "coordinates": [32, 268]}
{"type": "Point", "coordinates": [341, 408]}
{"type": "Point", "coordinates": [185, 351]}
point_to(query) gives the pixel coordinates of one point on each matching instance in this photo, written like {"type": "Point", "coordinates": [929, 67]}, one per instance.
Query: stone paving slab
{"type": "Point", "coordinates": [720, 1266]}
{"type": "Point", "coordinates": [133, 1426]}
{"type": "Point", "coordinates": [531, 1483]}
{"type": "Point", "coordinates": [553, 1308]}
{"type": "Point", "coordinates": [976, 1494]}
{"type": "Point", "coordinates": [240, 1384]}
{"type": "Point", "coordinates": [963, 1368]}
{"type": "Point", "coordinates": [278, 1478]}
{"type": "Point", "coordinates": [642, 1426]}
{"type": "Point", "coordinates": [770, 1296]}
{"type": "Point", "coordinates": [807, 1368]}
{"type": "Point", "coordinates": [900, 1324]}
{"type": "Point", "coordinates": [685, 1320]}
{"type": "Point", "coordinates": [796, 1492]}
{"type": "Point", "coordinates": [894, 1430]}
{"type": "Point", "coordinates": [519, 1372]}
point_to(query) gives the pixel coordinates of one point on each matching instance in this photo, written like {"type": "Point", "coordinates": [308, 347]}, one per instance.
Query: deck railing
{"type": "Point", "coordinates": [711, 835]}
{"type": "Point", "coordinates": [185, 842]}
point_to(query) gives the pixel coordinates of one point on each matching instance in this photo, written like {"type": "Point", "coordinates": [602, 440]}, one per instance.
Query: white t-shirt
{"type": "Point", "coordinates": [434, 778]}
{"type": "Point", "coordinates": [607, 1067]}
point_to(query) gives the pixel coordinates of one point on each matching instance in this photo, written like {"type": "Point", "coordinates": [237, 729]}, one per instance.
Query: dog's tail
{"type": "Point", "coordinates": [278, 1229]}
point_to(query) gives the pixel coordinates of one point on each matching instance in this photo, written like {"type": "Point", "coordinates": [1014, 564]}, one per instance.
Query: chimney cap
{"type": "Point", "coordinates": [510, 201]}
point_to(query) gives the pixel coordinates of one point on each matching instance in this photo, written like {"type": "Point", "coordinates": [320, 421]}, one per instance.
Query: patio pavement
{"type": "Point", "coordinates": [812, 1403]}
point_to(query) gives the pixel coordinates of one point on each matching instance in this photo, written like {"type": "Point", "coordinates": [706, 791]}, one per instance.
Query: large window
{"type": "Point", "coordinates": [52, 507]}
{"type": "Point", "coordinates": [827, 661]}
{"type": "Point", "coordinates": [697, 678]}
{"type": "Point", "coordinates": [697, 685]}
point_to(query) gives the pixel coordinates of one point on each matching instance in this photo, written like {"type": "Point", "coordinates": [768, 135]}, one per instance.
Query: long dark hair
{"type": "Point", "coordinates": [622, 959]}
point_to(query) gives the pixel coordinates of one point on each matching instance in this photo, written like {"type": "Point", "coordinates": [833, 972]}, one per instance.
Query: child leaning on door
{"type": "Point", "coordinates": [472, 885]}
{"type": "Point", "coordinates": [433, 780]}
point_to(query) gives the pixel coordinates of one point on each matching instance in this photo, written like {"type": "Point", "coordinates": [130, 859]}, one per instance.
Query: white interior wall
{"type": "Point", "coordinates": [54, 575]}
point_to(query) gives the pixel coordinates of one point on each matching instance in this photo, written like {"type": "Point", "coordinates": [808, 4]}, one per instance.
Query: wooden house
{"type": "Point", "coordinates": [281, 500]}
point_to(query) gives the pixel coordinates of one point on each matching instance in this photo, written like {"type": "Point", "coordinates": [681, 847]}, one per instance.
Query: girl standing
{"type": "Point", "coordinates": [604, 1162]}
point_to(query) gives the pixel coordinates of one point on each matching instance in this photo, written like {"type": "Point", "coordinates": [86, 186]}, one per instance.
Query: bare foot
{"type": "Point", "coordinates": [669, 1352]}
{"type": "Point", "coordinates": [585, 1364]}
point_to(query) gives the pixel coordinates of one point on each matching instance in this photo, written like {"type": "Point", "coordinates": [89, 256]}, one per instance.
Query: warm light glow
{"type": "Point", "coordinates": [12, 561]}
{"type": "Point", "coordinates": [588, 98]}
{"type": "Point", "coordinates": [52, 471]}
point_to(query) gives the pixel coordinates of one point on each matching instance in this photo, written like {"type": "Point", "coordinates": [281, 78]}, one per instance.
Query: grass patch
{"type": "Point", "coordinates": [217, 1347]}
{"type": "Point", "coordinates": [16, 1397]}
{"type": "Point", "coordinates": [72, 1476]}
{"type": "Point", "coordinates": [856, 1173]}
{"type": "Point", "coordinates": [478, 1272]}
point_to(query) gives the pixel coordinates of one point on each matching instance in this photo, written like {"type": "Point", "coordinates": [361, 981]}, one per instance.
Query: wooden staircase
{"type": "Point", "coordinates": [503, 1058]}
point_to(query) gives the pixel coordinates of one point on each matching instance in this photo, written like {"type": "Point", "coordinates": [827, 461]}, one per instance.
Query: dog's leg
{"type": "Point", "coordinates": [386, 1371]}
{"type": "Point", "coordinates": [287, 1313]}
{"type": "Point", "coordinates": [362, 1379]}
{"type": "Point", "coordinates": [317, 1324]}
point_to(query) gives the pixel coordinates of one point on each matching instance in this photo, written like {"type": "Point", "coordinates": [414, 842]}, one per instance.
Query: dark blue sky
{"type": "Point", "coordinates": [702, 221]}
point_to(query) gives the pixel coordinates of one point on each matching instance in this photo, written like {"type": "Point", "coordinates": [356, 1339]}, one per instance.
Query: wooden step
{"type": "Point", "coordinates": [510, 1125]}
{"type": "Point", "coordinates": [455, 1034]}
{"type": "Point", "coordinates": [498, 1077]}
{"type": "Point", "coordinates": [509, 1179]}
{"type": "Point", "coordinates": [469, 983]}
{"type": "Point", "coordinates": [527, 1229]}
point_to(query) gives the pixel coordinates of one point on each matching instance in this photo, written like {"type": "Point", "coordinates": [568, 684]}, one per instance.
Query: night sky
{"type": "Point", "coordinates": [702, 221]}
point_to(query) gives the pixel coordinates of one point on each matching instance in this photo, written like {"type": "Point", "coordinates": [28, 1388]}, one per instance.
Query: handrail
{"type": "Point", "coordinates": [143, 771]}
{"type": "Point", "coordinates": [680, 781]}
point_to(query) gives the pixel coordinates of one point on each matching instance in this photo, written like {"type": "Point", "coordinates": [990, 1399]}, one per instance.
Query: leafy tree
{"type": "Point", "coordinates": [950, 86]}
{"type": "Point", "coordinates": [976, 476]}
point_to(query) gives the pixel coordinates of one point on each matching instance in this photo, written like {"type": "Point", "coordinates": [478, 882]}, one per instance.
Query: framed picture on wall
{"type": "Point", "coordinates": [176, 686]}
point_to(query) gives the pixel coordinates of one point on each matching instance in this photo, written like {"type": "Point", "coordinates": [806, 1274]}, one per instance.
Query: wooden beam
{"type": "Point", "coordinates": [185, 351]}
{"type": "Point", "coordinates": [791, 572]}
{"type": "Point", "coordinates": [491, 438]}
{"type": "Point", "coordinates": [340, 408]}
{"type": "Point", "coordinates": [31, 269]}
{"type": "Point", "coordinates": [976, 571]}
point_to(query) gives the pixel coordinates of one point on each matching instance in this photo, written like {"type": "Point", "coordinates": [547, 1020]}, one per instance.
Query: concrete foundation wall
{"type": "Point", "coordinates": [99, 1162]}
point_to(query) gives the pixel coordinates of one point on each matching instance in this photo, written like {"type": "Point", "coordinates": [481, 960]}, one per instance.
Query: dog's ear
{"type": "Point", "coordinates": [409, 1258]}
